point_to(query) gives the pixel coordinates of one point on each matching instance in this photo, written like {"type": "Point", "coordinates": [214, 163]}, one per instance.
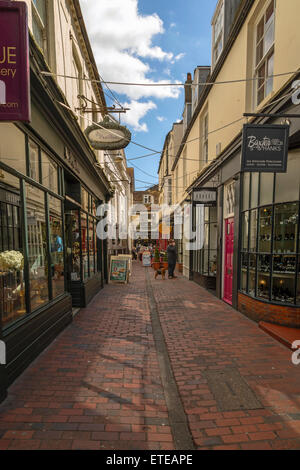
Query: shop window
{"type": "Point", "coordinates": [265, 229]}
{"type": "Point", "coordinates": [253, 230]}
{"type": "Point", "coordinates": [12, 285]}
{"type": "Point", "coordinates": [244, 272]}
{"type": "Point", "coordinates": [263, 276]}
{"type": "Point", "coordinates": [56, 246]}
{"type": "Point", "coordinates": [205, 260]}
{"type": "Point", "coordinates": [12, 147]}
{"type": "Point", "coordinates": [84, 246]}
{"type": "Point", "coordinates": [275, 269]}
{"type": "Point", "coordinates": [37, 246]}
{"type": "Point", "coordinates": [287, 184]}
{"type": "Point", "coordinates": [254, 189]}
{"type": "Point", "coordinates": [49, 173]}
{"type": "Point", "coordinates": [91, 246]}
{"type": "Point", "coordinates": [246, 188]}
{"type": "Point", "coordinates": [84, 199]}
{"type": "Point", "coordinates": [73, 244]}
{"type": "Point", "coordinates": [266, 188]}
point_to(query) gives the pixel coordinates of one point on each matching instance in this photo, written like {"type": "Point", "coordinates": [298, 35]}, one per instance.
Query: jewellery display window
{"type": "Point", "coordinates": [270, 243]}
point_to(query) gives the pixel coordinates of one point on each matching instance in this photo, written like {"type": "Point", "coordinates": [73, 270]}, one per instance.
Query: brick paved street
{"type": "Point", "coordinates": [99, 384]}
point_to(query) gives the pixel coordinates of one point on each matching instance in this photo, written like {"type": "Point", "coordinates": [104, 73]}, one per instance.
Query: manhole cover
{"type": "Point", "coordinates": [230, 390]}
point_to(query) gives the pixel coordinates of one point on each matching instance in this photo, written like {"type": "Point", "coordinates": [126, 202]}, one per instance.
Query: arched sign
{"type": "Point", "coordinates": [108, 135]}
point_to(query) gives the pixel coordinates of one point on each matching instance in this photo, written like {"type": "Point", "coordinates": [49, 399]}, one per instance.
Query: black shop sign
{"type": "Point", "coordinates": [265, 148]}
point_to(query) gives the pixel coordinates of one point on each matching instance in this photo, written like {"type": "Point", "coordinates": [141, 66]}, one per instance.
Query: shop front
{"type": "Point", "coordinates": [269, 288]}
{"type": "Point", "coordinates": [204, 260]}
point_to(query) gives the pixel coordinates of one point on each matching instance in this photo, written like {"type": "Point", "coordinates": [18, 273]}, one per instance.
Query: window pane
{"type": "Point", "coordinates": [244, 271]}
{"type": "Point", "coordinates": [91, 246]}
{"type": "Point", "coordinates": [270, 72]}
{"type": "Point", "coordinates": [213, 263]}
{"type": "Point", "coordinates": [265, 230]}
{"type": "Point", "coordinates": [246, 187]}
{"type": "Point", "coordinates": [84, 199]}
{"type": "Point", "coordinates": [245, 230]}
{"type": "Point", "coordinates": [57, 247]}
{"type": "Point", "coordinates": [284, 269]}
{"type": "Point", "coordinates": [287, 184]}
{"type": "Point", "coordinates": [12, 285]}
{"type": "Point", "coordinates": [41, 8]}
{"type": "Point", "coordinates": [266, 188]}
{"type": "Point", "coordinates": [37, 246]}
{"type": "Point", "coordinates": [252, 273]}
{"type": "Point", "coordinates": [254, 189]}
{"type": "Point", "coordinates": [263, 280]}
{"type": "Point", "coordinates": [73, 244]}
{"type": "Point", "coordinates": [34, 171]}
{"type": "Point", "coordinates": [84, 244]}
{"type": "Point", "coordinates": [12, 147]}
{"type": "Point", "coordinates": [286, 223]}
{"type": "Point", "coordinates": [49, 173]}
{"type": "Point", "coordinates": [253, 230]}
{"type": "Point", "coordinates": [37, 32]}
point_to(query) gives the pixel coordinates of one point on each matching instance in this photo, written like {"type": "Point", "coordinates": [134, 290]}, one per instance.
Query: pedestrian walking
{"type": "Point", "coordinates": [172, 258]}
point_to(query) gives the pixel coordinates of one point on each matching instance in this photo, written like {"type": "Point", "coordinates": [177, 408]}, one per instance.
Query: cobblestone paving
{"type": "Point", "coordinates": [98, 385]}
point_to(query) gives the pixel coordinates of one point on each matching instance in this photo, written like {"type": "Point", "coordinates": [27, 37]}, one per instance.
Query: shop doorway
{"type": "Point", "coordinates": [228, 260]}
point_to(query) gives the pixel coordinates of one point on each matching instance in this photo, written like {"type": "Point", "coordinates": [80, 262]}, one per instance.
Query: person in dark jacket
{"type": "Point", "coordinates": [172, 257]}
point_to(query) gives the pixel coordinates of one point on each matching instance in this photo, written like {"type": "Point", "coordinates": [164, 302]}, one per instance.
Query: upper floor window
{"type": "Point", "coordinates": [264, 60]}
{"type": "Point", "coordinates": [39, 22]}
{"type": "Point", "coordinates": [218, 34]}
{"type": "Point", "coordinates": [148, 199]}
{"type": "Point", "coordinates": [204, 139]}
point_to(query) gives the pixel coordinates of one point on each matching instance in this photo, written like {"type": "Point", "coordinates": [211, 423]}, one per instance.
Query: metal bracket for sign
{"type": "Point", "coordinates": [101, 109]}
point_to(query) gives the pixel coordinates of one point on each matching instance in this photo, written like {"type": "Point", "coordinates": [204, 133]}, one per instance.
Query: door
{"type": "Point", "coordinates": [228, 260]}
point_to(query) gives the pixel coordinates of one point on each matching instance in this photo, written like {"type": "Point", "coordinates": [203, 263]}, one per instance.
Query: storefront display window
{"type": "Point", "coordinates": [56, 246]}
{"type": "Point", "coordinates": [270, 271]}
{"type": "Point", "coordinates": [73, 244]}
{"type": "Point", "coordinates": [84, 245]}
{"type": "Point", "coordinates": [12, 285]}
{"type": "Point", "coordinates": [205, 260]}
{"type": "Point", "coordinates": [37, 246]}
{"type": "Point", "coordinates": [91, 247]}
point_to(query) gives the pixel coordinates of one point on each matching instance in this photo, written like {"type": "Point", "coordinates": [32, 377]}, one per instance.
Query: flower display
{"type": "Point", "coordinates": [11, 261]}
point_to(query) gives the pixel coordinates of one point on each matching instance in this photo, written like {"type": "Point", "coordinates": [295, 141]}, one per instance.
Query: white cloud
{"type": "Point", "coordinates": [122, 42]}
{"type": "Point", "coordinates": [161, 118]}
{"type": "Point", "coordinates": [172, 25]}
{"type": "Point", "coordinates": [138, 111]}
{"type": "Point", "coordinates": [121, 37]}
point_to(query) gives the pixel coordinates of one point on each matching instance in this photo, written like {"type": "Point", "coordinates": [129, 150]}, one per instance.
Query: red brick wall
{"type": "Point", "coordinates": [262, 311]}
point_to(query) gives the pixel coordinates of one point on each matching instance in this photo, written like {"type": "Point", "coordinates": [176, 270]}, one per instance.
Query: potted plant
{"type": "Point", "coordinates": [156, 261]}
{"type": "Point", "coordinates": [165, 260]}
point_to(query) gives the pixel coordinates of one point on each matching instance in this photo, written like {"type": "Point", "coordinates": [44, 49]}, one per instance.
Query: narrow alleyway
{"type": "Point", "coordinates": [143, 368]}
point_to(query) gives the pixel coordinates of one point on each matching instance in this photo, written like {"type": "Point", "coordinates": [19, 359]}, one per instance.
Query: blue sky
{"type": "Point", "coordinates": [148, 41]}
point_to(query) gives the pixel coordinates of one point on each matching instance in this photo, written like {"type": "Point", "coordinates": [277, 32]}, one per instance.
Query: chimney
{"type": "Point", "coordinates": [188, 89]}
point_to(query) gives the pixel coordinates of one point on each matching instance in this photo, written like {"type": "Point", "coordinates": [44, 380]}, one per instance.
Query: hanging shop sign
{"type": "Point", "coordinates": [205, 196]}
{"type": "Point", "coordinates": [110, 136]}
{"type": "Point", "coordinates": [14, 62]}
{"type": "Point", "coordinates": [265, 148]}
